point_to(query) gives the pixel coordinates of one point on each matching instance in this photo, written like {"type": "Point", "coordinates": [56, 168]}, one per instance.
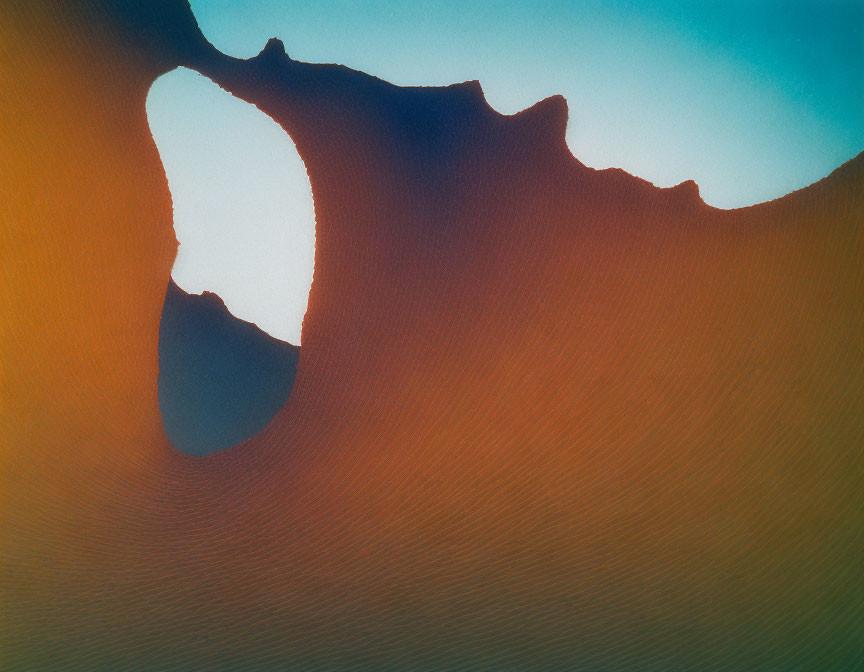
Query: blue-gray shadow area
{"type": "Point", "coordinates": [221, 380]}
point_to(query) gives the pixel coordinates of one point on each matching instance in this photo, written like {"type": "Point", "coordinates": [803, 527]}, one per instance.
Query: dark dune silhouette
{"type": "Point", "coordinates": [221, 380]}
{"type": "Point", "coordinates": [546, 417]}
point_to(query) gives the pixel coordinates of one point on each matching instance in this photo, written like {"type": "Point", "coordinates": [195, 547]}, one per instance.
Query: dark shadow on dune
{"type": "Point", "coordinates": [221, 380]}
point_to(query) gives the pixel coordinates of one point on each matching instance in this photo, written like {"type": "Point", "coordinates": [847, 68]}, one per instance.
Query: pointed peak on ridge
{"type": "Point", "coordinates": [550, 113]}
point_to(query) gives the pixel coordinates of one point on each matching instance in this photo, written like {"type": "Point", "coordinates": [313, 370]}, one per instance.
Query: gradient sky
{"type": "Point", "coordinates": [750, 99]}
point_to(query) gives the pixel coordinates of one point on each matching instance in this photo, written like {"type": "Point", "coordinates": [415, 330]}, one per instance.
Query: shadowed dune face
{"type": "Point", "coordinates": [221, 380]}
{"type": "Point", "coordinates": [544, 417]}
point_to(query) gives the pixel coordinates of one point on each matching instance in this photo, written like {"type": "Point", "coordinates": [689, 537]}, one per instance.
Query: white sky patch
{"type": "Point", "coordinates": [243, 209]}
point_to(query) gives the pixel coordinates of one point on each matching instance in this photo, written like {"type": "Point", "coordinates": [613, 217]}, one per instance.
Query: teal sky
{"type": "Point", "coordinates": [750, 99]}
